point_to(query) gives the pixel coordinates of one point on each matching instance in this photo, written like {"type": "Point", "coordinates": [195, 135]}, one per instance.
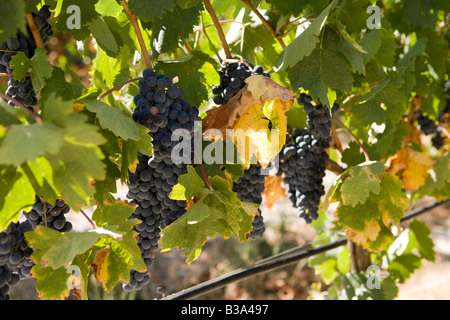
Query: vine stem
{"type": "Point", "coordinates": [218, 27]}
{"type": "Point", "coordinates": [117, 88]}
{"type": "Point", "coordinates": [205, 176]}
{"type": "Point", "coordinates": [265, 22]}
{"type": "Point", "coordinates": [137, 30]}
{"type": "Point", "coordinates": [88, 219]}
{"type": "Point", "coordinates": [354, 137]}
{"type": "Point", "coordinates": [11, 75]}
{"type": "Point", "coordinates": [35, 31]}
{"type": "Point", "coordinates": [22, 106]}
{"type": "Point", "coordinates": [203, 29]}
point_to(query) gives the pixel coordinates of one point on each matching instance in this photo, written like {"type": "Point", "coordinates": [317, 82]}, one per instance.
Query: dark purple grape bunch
{"type": "Point", "coordinates": [161, 108]}
{"type": "Point", "coordinates": [232, 80]}
{"type": "Point", "coordinates": [15, 262]}
{"type": "Point", "coordinates": [50, 216]}
{"type": "Point", "coordinates": [22, 91]}
{"type": "Point", "coordinates": [249, 188]}
{"type": "Point", "coordinates": [303, 158]}
{"type": "Point", "coordinates": [429, 127]}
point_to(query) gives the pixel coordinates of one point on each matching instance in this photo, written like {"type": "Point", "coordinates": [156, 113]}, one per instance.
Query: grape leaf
{"type": "Point", "coordinates": [16, 193]}
{"type": "Point", "coordinates": [322, 69]}
{"type": "Point", "coordinates": [353, 154]}
{"type": "Point", "coordinates": [249, 113]}
{"type": "Point", "coordinates": [104, 36]}
{"type": "Point", "coordinates": [368, 223]}
{"type": "Point", "coordinates": [13, 20]}
{"type": "Point", "coordinates": [216, 210]}
{"type": "Point", "coordinates": [57, 83]}
{"type": "Point", "coordinates": [41, 68]}
{"type": "Point", "coordinates": [34, 140]}
{"type": "Point", "coordinates": [437, 184]}
{"type": "Point", "coordinates": [113, 119]}
{"type": "Point", "coordinates": [149, 10]}
{"type": "Point", "coordinates": [173, 25]}
{"type": "Point", "coordinates": [360, 181]}
{"type": "Point", "coordinates": [189, 72]}
{"type": "Point", "coordinates": [303, 45]}
{"type": "Point", "coordinates": [411, 166]}
{"type": "Point", "coordinates": [189, 184]}
{"type": "Point", "coordinates": [59, 248]}
{"type": "Point", "coordinates": [273, 191]}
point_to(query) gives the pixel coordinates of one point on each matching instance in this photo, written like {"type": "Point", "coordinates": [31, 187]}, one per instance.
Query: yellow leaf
{"type": "Point", "coordinates": [251, 114]}
{"type": "Point", "coordinates": [411, 167]}
{"type": "Point", "coordinates": [99, 266]}
{"type": "Point", "coordinates": [274, 190]}
{"type": "Point", "coordinates": [371, 230]}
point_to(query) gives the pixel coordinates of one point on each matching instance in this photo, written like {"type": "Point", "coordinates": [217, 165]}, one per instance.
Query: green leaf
{"type": "Point", "coordinates": [113, 119]}
{"type": "Point", "coordinates": [437, 183]}
{"type": "Point", "coordinates": [16, 193]}
{"type": "Point", "coordinates": [189, 185]}
{"type": "Point", "coordinates": [216, 211]}
{"type": "Point", "coordinates": [353, 154]}
{"type": "Point", "coordinates": [189, 72]}
{"type": "Point", "coordinates": [360, 182]}
{"type": "Point", "coordinates": [419, 238]}
{"type": "Point", "coordinates": [74, 167]}
{"type": "Point", "coordinates": [58, 249]}
{"type": "Point", "coordinates": [41, 69]}
{"type": "Point", "coordinates": [303, 45]}
{"type": "Point", "coordinates": [108, 8]}
{"type": "Point", "coordinates": [15, 19]}
{"type": "Point", "coordinates": [149, 10]}
{"type": "Point", "coordinates": [104, 37]}
{"type": "Point", "coordinates": [27, 143]}
{"type": "Point", "coordinates": [321, 70]}
{"type": "Point", "coordinates": [170, 26]}
{"type": "Point", "coordinates": [57, 83]}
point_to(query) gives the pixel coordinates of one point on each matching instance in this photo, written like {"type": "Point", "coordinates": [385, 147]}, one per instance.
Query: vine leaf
{"type": "Point", "coordinates": [111, 256]}
{"type": "Point", "coordinates": [437, 184]}
{"type": "Point", "coordinates": [305, 43]}
{"type": "Point", "coordinates": [59, 248]}
{"type": "Point", "coordinates": [368, 222]}
{"type": "Point", "coordinates": [216, 211]}
{"type": "Point", "coordinates": [41, 68]}
{"type": "Point", "coordinates": [360, 181]}
{"type": "Point", "coordinates": [113, 119]}
{"type": "Point", "coordinates": [260, 104]}
{"type": "Point", "coordinates": [411, 166]}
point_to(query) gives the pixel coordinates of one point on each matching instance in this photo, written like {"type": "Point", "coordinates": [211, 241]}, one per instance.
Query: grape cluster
{"type": "Point", "coordinates": [429, 127]}
{"type": "Point", "coordinates": [303, 159]}
{"type": "Point", "coordinates": [50, 216]}
{"type": "Point", "coordinates": [232, 80]}
{"type": "Point", "coordinates": [14, 256]}
{"type": "Point", "coordinates": [23, 91]}
{"type": "Point", "coordinates": [161, 108]}
{"type": "Point", "coordinates": [249, 188]}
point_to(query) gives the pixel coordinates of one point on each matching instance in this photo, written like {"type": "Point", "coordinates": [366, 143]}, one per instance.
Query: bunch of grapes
{"type": "Point", "coordinates": [303, 159]}
{"type": "Point", "coordinates": [429, 127]}
{"type": "Point", "coordinates": [161, 108]}
{"type": "Point", "coordinates": [232, 80]}
{"type": "Point", "coordinates": [50, 216]}
{"type": "Point", "coordinates": [14, 256]}
{"type": "Point", "coordinates": [249, 188]}
{"type": "Point", "coordinates": [23, 91]}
